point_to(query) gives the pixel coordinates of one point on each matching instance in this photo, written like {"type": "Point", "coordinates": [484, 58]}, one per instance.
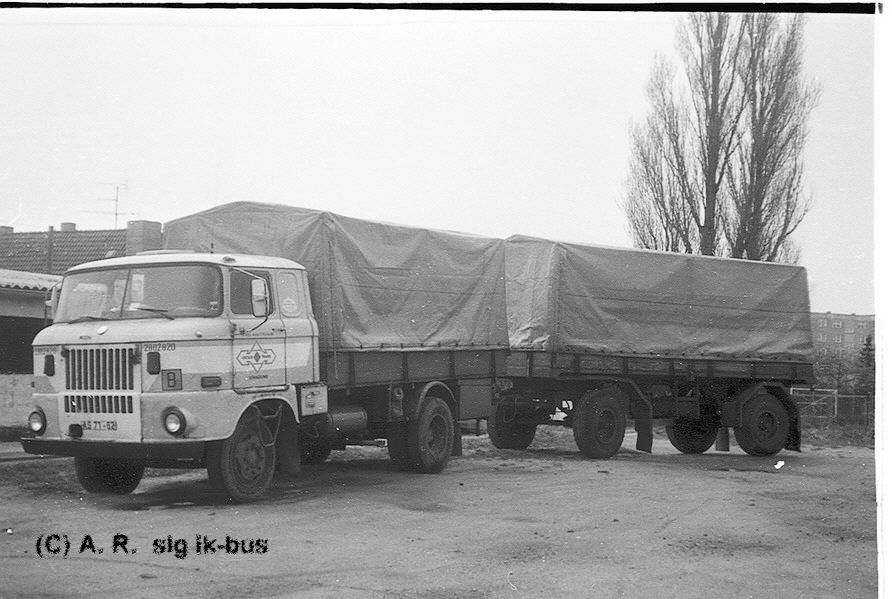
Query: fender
{"type": "Point", "coordinates": [412, 404]}
{"type": "Point", "coordinates": [732, 410]}
{"type": "Point", "coordinates": [271, 403]}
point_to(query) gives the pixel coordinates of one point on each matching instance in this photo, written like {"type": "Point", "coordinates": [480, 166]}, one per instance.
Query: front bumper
{"type": "Point", "coordinates": [182, 450]}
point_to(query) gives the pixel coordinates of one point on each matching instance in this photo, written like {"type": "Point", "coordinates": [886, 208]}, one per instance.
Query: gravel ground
{"type": "Point", "coordinates": [543, 522]}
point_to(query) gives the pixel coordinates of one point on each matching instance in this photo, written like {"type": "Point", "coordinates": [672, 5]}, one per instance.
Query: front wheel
{"type": "Point", "coordinates": [429, 438]}
{"type": "Point", "coordinates": [691, 436]}
{"type": "Point", "coordinates": [599, 423]}
{"type": "Point", "coordinates": [764, 426]}
{"type": "Point", "coordinates": [243, 465]}
{"type": "Point", "coordinates": [108, 475]}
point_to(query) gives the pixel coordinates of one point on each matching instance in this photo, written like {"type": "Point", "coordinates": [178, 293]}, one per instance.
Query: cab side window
{"type": "Point", "coordinates": [240, 290]}
{"type": "Point", "coordinates": [291, 295]}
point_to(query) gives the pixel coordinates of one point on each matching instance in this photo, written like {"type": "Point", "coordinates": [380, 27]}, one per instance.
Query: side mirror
{"type": "Point", "coordinates": [259, 297]}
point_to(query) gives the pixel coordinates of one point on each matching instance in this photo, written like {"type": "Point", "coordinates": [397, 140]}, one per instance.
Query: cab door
{"type": "Point", "coordinates": [258, 342]}
{"type": "Point", "coordinates": [301, 335]}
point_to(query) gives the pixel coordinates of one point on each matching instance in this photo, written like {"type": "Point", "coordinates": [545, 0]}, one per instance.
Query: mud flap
{"type": "Point", "coordinates": [723, 440]}
{"type": "Point", "coordinates": [794, 437]}
{"type": "Point", "coordinates": [287, 447]}
{"type": "Point", "coordinates": [642, 412]}
{"type": "Point", "coordinates": [456, 439]}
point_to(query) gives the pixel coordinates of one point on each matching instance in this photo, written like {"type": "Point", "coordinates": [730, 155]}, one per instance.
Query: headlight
{"type": "Point", "coordinates": [37, 422]}
{"type": "Point", "coordinates": [174, 422]}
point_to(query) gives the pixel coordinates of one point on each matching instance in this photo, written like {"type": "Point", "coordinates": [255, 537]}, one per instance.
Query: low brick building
{"type": "Point", "coordinates": [30, 264]}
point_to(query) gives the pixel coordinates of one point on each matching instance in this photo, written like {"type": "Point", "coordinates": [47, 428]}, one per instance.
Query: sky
{"type": "Point", "coordinates": [492, 123]}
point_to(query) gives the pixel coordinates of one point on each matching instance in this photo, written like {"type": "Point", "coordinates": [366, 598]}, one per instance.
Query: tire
{"type": "Point", "coordinates": [506, 434]}
{"type": "Point", "coordinates": [764, 426]}
{"type": "Point", "coordinates": [314, 451]}
{"type": "Point", "coordinates": [242, 465]}
{"type": "Point", "coordinates": [429, 438]}
{"type": "Point", "coordinates": [109, 475]}
{"type": "Point", "coordinates": [599, 423]}
{"type": "Point", "coordinates": [691, 436]}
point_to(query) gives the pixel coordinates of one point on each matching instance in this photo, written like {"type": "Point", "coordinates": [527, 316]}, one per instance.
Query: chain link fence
{"type": "Point", "coordinates": [822, 407]}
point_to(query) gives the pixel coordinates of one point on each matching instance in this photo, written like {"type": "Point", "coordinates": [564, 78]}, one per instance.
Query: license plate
{"type": "Point", "coordinates": [99, 425]}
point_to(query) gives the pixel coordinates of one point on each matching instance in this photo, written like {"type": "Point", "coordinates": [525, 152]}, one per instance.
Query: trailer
{"type": "Point", "coordinates": [601, 336]}
{"type": "Point", "coordinates": [267, 336]}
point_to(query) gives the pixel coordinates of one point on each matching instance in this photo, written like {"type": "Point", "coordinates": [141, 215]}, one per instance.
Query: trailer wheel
{"type": "Point", "coordinates": [429, 438]}
{"type": "Point", "coordinates": [599, 423]}
{"type": "Point", "coordinates": [243, 465]}
{"type": "Point", "coordinates": [691, 436]}
{"type": "Point", "coordinates": [504, 432]}
{"type": "Point", "coordinates": [108, 475]}
{"type": "Point", "coordinates": [764, 426]}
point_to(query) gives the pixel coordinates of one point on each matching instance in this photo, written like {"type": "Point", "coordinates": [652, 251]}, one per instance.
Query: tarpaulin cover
{"type": "Point", "coordinates": [373, 285]}
{"type": "Point", "coordinates": [578, 298]}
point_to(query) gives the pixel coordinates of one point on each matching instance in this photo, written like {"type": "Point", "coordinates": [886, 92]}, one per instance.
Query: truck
{"type": "Point", "coordinates": [603, 336]}
{"type": "Point", "coordinates": [263, 337]}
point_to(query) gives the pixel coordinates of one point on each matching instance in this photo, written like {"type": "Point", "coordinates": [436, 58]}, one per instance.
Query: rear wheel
{"type": "Point", "coordinates": [504, 429]}
{"type": "Point", "coordinates": [109, 475]}
{"type": "Point", "coordinates": [764, 426]}
{"type": "Point", "coordinates": [599, 423]}
{"type": "Point", "coordinates": [429, 438]}
{"type": "Point", "coordinates": [243, 465]}
{"type": "Point", "coordinates": [691, 436]}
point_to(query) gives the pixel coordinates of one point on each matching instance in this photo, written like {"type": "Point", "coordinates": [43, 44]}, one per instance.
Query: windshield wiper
{"type": "Point", "coordinates": [84, 319]}
{"type": "Point", "coordinates": [160, 311]}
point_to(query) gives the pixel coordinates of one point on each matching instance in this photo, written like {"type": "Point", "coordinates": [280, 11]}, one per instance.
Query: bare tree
{"type": "Point", "coordinates": [658, 202]}
{"type": "Point", "coordinates": [682, 153]}
{"type": "Point", "coordinates": [766, 182]}
{"type": "Point", "coordinates": [717, 169]}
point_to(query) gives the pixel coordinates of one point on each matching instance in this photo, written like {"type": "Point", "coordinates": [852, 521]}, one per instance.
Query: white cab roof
{"type": "Point", "coordinates": [176, 257]}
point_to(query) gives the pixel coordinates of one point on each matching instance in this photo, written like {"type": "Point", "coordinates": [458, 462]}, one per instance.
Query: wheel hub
{"type": "Point", "coordinates": [250, 457]}
{"type": "Point", "coordinates": [606, 424]}
{"type": "Point", "coordinates": [767, 424]}
{"type": "Point", "coordinates": [435, 436]}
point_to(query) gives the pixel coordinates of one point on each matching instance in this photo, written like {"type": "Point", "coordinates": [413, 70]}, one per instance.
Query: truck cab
{"type": "Point", "coordinates": [159, 358]}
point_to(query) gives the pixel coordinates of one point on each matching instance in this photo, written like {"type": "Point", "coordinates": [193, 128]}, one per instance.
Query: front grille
{"type": "Point", "coordinates": [99, 404]}
{"type": "Point", "coordinates": [103, 369]}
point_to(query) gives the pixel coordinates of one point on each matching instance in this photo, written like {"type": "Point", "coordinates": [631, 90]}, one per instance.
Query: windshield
{"type": "Point", "coordinates": [141, 292]}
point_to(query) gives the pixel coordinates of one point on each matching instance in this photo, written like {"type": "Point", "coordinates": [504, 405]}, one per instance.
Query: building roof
{"type": "Point", "coordinates": [16, 279]}
{"type": "Point", "coordinates": [30, 252]}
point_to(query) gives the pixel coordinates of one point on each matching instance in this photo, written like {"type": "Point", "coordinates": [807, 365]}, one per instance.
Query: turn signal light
{"type": "Point", "coordinates": [211, 381]}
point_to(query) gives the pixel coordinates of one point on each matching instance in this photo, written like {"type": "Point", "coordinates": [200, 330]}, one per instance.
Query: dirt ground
{"type": "Point", "coordinates": [544, 522]}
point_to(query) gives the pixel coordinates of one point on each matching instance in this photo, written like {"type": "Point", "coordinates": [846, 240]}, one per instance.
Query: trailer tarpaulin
{"type": "Point", "coordinates": [373, 285]}
{"type": "Point", "coordinates": [582, 298]}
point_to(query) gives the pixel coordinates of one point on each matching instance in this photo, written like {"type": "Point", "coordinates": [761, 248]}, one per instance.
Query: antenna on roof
{"type": "Point", "coordinates": [116, 200]}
